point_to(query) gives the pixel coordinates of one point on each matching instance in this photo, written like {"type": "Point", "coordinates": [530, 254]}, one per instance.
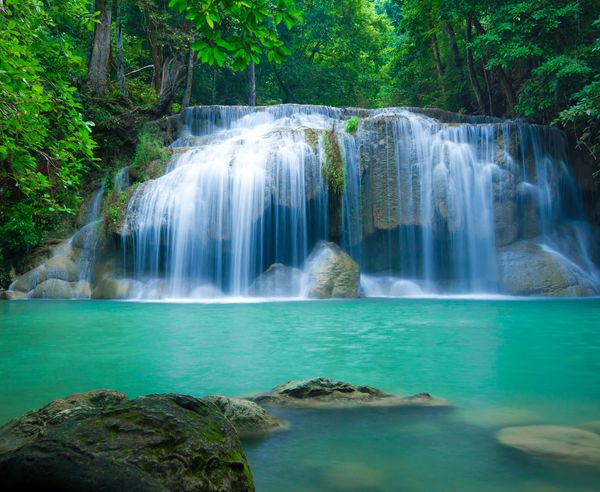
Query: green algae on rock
{"type": "Point", "coordinates": [162, 442]}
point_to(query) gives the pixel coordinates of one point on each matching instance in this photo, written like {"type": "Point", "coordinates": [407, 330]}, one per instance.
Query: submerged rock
{"type": "Point", "coordinates": [526, 268]}
{"type": "Point", "coordinates": [331, 273]}
{"type": "Point", "coordinates": [331, 393]}
{"type": "Point", "coordinates": [103, 441]}
{"type": "Point", "coordinates": [566, 444]}
{"type": "Point", "coordinates": [278, 281]}
{"type": "Point", "coordinates": [247, 417]}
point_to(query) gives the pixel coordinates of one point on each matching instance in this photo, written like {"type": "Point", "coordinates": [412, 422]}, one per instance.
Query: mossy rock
{"type": "Point", "coordinates": [163, 442]}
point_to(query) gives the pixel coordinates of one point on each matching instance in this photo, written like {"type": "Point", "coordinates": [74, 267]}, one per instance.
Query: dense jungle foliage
{"type": "Point", "coordinates": [78, 78]}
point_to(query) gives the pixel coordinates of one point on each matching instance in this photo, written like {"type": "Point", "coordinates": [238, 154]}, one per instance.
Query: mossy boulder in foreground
{"type": "Point", "coordinates": [103, 441]}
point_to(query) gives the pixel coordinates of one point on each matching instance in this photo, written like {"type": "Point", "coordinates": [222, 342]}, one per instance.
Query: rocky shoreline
{"type": "Point", "coordinates": [102, 440]}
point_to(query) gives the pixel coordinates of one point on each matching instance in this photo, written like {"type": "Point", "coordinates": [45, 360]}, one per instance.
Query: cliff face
{"type": "Point", "coordinates": [453, 203]}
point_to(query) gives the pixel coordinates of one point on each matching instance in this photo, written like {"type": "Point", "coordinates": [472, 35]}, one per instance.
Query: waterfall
{"type": "Point", "coordinates": [427, 205]}
{"type": "Point", "coordinates": [234, 202]}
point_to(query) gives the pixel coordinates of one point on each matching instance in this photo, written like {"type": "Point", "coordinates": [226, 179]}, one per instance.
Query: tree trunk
{"type": "Point", "coordinates": [119, 45]}
{"type": "Point", "coordinates": [174, 78]}
{"type": "Point", "coordinates": [471, 69]}
{"type": "Point", "coordinates": [91, 35]}
{"type": "Point", "coordinates": [287, 94]}
{"type": "Point", "coordinates": [252, 84]}
{"type": "Point", "coordinates": [439, 68]}
{"type": "Point", "coordinates": [189, 79]}
{"type": "Point", "coordinates": [501, 74]}
{"type": "Point", "coordinates": [100, 56]}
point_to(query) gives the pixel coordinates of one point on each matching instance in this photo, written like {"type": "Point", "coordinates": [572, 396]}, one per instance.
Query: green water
{"type": "Point", "coordinates": [500, 362]}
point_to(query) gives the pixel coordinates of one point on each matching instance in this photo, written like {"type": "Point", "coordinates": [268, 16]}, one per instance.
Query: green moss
{"type": "Point", "coordinates": [115, 209]}
{"type": "Point", "coordinates": [151, 156]}
{"type": "Point", "coordinates": [352, 124]}
{"type": "Point", "coordinates": [312, 137]}
{"type": "Point", "coordinates": [333, 169]}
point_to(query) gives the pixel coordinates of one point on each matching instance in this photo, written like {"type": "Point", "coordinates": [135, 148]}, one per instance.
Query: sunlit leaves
{"type": "Point", "coordinates": [238, 31]}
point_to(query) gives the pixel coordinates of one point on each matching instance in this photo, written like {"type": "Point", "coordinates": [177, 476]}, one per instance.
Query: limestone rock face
{"type": "Point", "coordinates": [112, 288]}
{"type": "Point", "coordinates": [102, 441]}
{"type": "Point", "coordinates": [525, 268]}
{"type": "Point", "coordinates": [331, 393]}
{"type": "Point", "coordinates": [247, 417]}
{"type": "Point", "coordinates": [566, 444]}
{"type": "Point", "coordinates": [331, 273]}
{"type": "Point", "coordinates": [278, 281]}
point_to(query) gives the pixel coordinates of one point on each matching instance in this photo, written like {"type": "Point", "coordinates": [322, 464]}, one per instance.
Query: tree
{"type": "Point", "coordinates": [100, 52]}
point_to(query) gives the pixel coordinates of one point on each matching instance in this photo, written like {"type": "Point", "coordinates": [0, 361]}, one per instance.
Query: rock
{"type": "Point", "coordinates": [331, 393]}
{"type": "Point", "coordinates": [278, 281]}
{"type": "Point", "coordinates": [51, 465]}
{"type": "Point", "coordinates": [53, 288]}
{"type": "Point", "coordinates": [112, 288]}
{"type": "Point", "coordinates": [106, 442]}
{"type": "Point", "coordinates": [331, 272]}
{"type": "Point", "coordinates": [247, 417]}
{"type": "Point", "coordinates": [565, 444]}
{"type": "Point", "coordinates": [34, 425]}
{"type": "Point", "coordinates": [525, 268]}
{"type": "Point", "coordinates": [28, 281]}
{"type": "Point", "coordinates": [504, 206]}
{"type": "Point", "coordinates": [348, 476]}
{"type": "Point", "coordinates": [82, 290]}
{"type": "Point", "coordinates": [62, 268]}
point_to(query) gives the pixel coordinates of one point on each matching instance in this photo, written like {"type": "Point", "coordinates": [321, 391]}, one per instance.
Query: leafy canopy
{"type": "Point", "coordinates": [241, 30]}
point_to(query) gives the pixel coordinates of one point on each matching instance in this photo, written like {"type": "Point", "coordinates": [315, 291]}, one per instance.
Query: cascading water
{"type": "Point", "coordinates": [426, 203]}
{"type": "Point", "coordinates": [427, 206]}
{"type": "Point", "coordinates": [248, 194]}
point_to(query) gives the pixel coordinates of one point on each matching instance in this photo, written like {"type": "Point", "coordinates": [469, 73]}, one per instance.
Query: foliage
{"type": "Point", "coordinates": [352, 125]}
{"type": "Point", "coordinates": [45, 143]}
{"type": "Point", "coordinates": [334, 171]}
{"type": "Point", "coordinates": [150, 154]}
{"type": "Point", "coordinates": [238, 29]}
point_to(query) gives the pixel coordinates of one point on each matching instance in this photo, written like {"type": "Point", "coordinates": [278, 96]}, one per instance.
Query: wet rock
{"type": "Point", "coordinates": [106, 442]}
{"type": "Point", "coordinates": [34, 425]}
{"type": "Point", "coordinates": [278, 281]}
{"type": "Point", "coordinates": [247, 417]}
{"type": "Point", "coordinates": [29, 281]}
{"type": "Point", "coordinates": [112, 288]}
{"type": "Point", "coordinates": [331, 393]}
{"type": "Point", "coordinates": [348, 476]}
{"type": "Point", "coordinates": [525, 268]}
{"type": "Point", "coordinates": [53, 288]}
{"type": "Point", "coordinates": [62, 268]}
{"type": "Point", "coordinates": [331, 273]}
{"type": "Point", "coordinates": [565, 444]}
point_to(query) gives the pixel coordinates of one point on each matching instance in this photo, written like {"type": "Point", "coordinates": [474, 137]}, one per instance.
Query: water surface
{"type": "Point", "coordinates": [501, 362]}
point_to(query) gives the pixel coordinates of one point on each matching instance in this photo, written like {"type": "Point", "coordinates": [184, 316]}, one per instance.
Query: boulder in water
{"type": "Point", "coordinates": [278, 281]}
{"type": "Point", "coordinates": [526, 268]}
{"type": "Point", "coordinates": [565, 444]}
{"type": "Point", "coordinates": [103, 441]}
{"type": "Point", "coordinates": [247, 417]}
{"type": "Point", "coordinates": [331, 273]}
{"type": "Point", "coordinates": [331, 393]}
